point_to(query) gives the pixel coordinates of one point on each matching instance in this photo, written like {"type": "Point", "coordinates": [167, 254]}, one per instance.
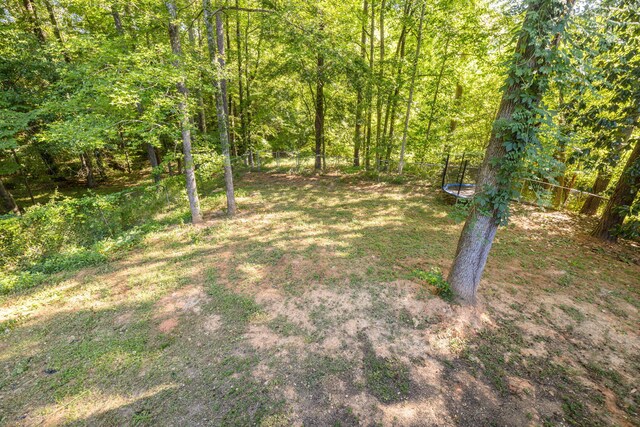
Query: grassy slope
{"type": "Point", "coordinates": [305, 309]}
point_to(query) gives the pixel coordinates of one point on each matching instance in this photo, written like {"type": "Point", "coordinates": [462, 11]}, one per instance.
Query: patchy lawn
{"type": "Point", "coordinates": [308, 309]}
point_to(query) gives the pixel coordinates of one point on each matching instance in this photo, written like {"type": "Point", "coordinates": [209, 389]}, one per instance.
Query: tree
{"type": "Point", "coordinates": [513, 132]}
{"type": "Point", "coordinates": [7, 200]}
{"type": "Point", "coordinates": [189, 167]}
{"type": "Point", "coordinates": [623, 196]}
{"type": "Point", "coordinates": [411, 89]}
{"type": "Point", "coordinates": [216, 53]}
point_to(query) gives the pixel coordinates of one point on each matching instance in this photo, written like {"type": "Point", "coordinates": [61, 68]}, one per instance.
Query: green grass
{"type": "Point", "coordinates": [320, 290]}
{"type": "Point", "coordinates": [386, 378]}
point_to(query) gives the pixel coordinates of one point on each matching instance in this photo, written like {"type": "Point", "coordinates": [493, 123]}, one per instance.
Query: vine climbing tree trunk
{"type": "Point", "coordinates": [189, 169]}
{"type": "Point", "coordinates": [527, 82]}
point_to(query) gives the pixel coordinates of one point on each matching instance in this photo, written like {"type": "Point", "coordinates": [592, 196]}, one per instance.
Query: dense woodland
{"type": "Point", "coordinates": [92, 90]}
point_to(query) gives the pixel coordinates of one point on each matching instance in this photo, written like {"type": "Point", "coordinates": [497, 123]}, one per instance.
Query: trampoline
{"type": "Point", "coordinates": [458, 189]}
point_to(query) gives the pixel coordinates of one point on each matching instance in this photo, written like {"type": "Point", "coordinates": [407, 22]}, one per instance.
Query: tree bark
{"type": "Point", "coordinates": [8, 201]}
{"type": "Point", "coordinates": [319, 120]}
{"type": "Point", "coordinates": [380, 88]}
{"type": "Point", "coordinates": [359, 96]}
{"type": "Point", "coordinates": [117, 21]}
{"type": "Point", "coordinates": [23, 173]}
{"type": "Point", "coordinates": [624, 194]}
{"type": "Point", "coordinates": [87, 165]}
{"type": "Point", "coordinates": [411, 88]}
{"type": "Point", "coordinates": [153, 160]}
{"type": "Point", "coordinates": [56, 30]}
{"type": "Point", "coordinates": [481, 226]}
{"type": "Point", "coordinates": [453, 124]}
{"type": "Point", "coordinates": [392, 101]}
{"type": "Point", "coordinates": [241, 101]}
{"type": "Point", "coordinates": [592, 203]}
{"type": "Point", "coordinates": [32, 16]}
{"type": "Point", "coordinates": [216, 54]}
{"type": "Point", "coordinates": [437, 90]}
{"type": "Point", "coordinates": [189, 170]}
{"type": "Point", "coordinates": [367, 144]}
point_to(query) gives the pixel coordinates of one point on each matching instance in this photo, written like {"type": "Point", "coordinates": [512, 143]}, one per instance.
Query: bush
{"type": "Point", "coordinates": [73, 233]}
{"type": "Point", "coordinates": [434, 278]}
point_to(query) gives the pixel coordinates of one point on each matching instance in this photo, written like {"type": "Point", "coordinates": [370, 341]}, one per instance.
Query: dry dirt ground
{"type": "Point", "coordinates": [307, 309]}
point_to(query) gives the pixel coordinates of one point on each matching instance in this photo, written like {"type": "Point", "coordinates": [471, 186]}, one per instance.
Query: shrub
{"type": "Point", "coordinates": [434, 278]}
{"type": "Point", "coordinates": [70, 233]}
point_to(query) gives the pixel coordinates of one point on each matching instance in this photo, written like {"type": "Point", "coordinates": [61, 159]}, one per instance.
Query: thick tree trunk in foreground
{"type": "Point", "coordinates": [624, 194]}
{"type": "Point", "coordinates": [189, 170]}
{"type": "Point", "coordinates": [411, 88]}
{"type": "Point", "coordinates": [216, 54]}
{"type": "Point", "coordinates": [481, 226]}
{"type": "Point", "coordinates": [591, 205]}
{"type": "Point", "coordinates": [7, 200]}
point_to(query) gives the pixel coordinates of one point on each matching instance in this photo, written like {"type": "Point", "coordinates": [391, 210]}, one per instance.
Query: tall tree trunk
{"type": "Point", "coordinates": [151, 152]}
{"type": "Point", "coordinates": [359, 97]}
{"type": "Point", "coordinates": [592, 203]}
{"type": "Point", "coordinates": [367, 145]}
{"type": "Point", "coordinates": [52, 167]}
{"type": "Point", "coordinates": [24, 174]}
{"type": "Point", "coordinates": [495, 175]}
{"type": "Point", "coordinates": [189, 170]}
{"type": "Point", "coordinates": [241, 102]}
{"type": "Point", "coordinates": [100, 164]}
{"type": "Point", "coordinates": [8, 201]}
{"type": "Point", "coordinates": [153, 160]}
{"type": "Point", "coordinates": [56, 30]}
{"type": "Point", "coordinates": [411, 88]}
{"type": "Point", "coordinates": [216, 54]}
{"type": "Point", "coordinates": [380, 88]}
{"type": "Point", "coordinates": [623, 195]}
{"type": "Point", "coordinates": [392, 101]}
{"type": "Point", "coordinates": [32, 17]}
{"type": "Point", "coordinates": [434, 101]}
{"type": "Point", "coordinates": [125, 150]}
{"type": "Point", "coordinates": [319, 120]}
{"type": "Point", "coordinates": [117, 21]}
{"type": "Point", "coordinates": [453, 124]}
{"type": "Point", "coordinates": [87, 165]}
